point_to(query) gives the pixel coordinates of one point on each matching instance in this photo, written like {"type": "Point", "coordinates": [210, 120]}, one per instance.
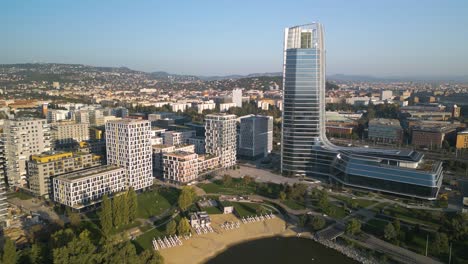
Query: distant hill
{"type": "Point", "coordinates": [252, 75]}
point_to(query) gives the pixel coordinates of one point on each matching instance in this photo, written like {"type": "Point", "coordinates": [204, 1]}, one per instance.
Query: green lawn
{"type": "Point", "coordinates": [248, 209]}
{"type": "Point", "coordinates": [235, 188]}
{"type": "Point", "coordinates": [212, 210]}
{"type": "Point", "coordinates": [375, 227]}
{"type": "Point", "coordinates": [293, 204]}
{"type": "Point", "coordinates": [157, 201]}
{"type": "Point", "coordinates": [144, 241]}
{"type": "Point", "coordinates": [337, 211]}
{"type": "Point", "coordinates": [423, 217]}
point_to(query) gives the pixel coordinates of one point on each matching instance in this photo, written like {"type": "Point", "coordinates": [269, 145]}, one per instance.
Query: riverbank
{"type": "Point", "coordinates": [201, 248]}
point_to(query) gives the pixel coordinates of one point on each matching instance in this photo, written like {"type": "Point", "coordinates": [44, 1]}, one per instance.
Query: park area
{"type": "Point", "coordinates": [156, 201]}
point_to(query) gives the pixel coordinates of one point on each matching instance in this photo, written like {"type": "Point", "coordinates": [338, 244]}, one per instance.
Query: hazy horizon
{"type": "Point", "coordinates": [372, 38]}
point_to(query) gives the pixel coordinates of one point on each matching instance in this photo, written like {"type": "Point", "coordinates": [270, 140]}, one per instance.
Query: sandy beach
{"type": "Point", "coordinates": [202, 247]}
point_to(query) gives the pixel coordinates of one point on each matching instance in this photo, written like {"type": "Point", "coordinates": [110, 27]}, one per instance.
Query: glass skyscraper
{"type": "Point", "coordinates": [305, 149]}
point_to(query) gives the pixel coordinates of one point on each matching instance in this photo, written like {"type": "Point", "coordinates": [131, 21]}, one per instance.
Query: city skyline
{"type": "Point", "coordinates": [361, 39]}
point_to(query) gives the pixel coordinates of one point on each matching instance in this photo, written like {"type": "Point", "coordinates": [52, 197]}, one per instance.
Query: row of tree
{"type": "Point", "coordinates": [118, 211]}
{"type": "Point", "coordinates": [66, 246]}
{"type": "Point", "coordinates": [181, 228]}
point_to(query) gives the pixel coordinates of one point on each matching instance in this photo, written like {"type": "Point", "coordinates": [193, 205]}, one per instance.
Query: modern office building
{"type": "Point", "coordinates": [43, 167]}
{"type": "Point", "coordinates": [23, 137]}
{"type": "Point", "coordinates": [306, 150]}
{"type": "Point", "coordinates": [383, 130]}
{"type": "Point", "coordinates": [256, 136]}
{"type": "Point", "coordinates": [220, 137]}
{"type": "Point", "coordinates": [84, 188]}
{"type": "Point", "coordinates": [128, 144]}
{"type": "Point", "coordinates": [68, 133]}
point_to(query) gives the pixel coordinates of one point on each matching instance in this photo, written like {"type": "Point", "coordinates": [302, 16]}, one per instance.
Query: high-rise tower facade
{"type": "Point", "coordinates": [305, 149]}
{"type": "Point", "coordinates": [221, 138]}
{"type": "Point", "coordinates": [128, 144]}
{"type": "Point", "coordinates": [303, 131]}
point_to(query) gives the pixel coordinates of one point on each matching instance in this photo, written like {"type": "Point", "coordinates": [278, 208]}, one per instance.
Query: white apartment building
{"type": "Point", "coordinates": [220, 137]}
{"type": "Point", "coordinates": [128, 144]}
{"type": "Point", "coordinates": [3, 201]}
{"type": "Point", "coordinates": [386, 95]}
{"type": "Point", "coordinates": [176, 107]}
{"type": "Point", "coordinates": [208, 105]}
{"type": "Point", "coordinates": [160, 150]}
{"type": "Point", "coordinates": [237, 97]}
{"type": "Point", "coordinates": [54, 115]}
{"type": "Point", "coordinates": [23, 137]}
{"type": "Point", "coordinates": [224, 107]}
{"type": "Point", "coordinates": [84, 188]}
{"type": "Point", "coordinates": [175, 138]}
{"type": "Point", "coordinates": [180, 166]}
{"type": "Point", "coordinates": [256, 136]}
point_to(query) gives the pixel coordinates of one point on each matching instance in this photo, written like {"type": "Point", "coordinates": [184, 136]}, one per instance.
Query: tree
{"type": "Point", "coordinates": [323, 200]}
{"type": "Point", "coordinates": [396, 224]}
{"type": "Point", "coordinates": [105, 216]}
{"type": "Point", "coordinates": [123, 253]}
{"type": "Point", "coordinates": [171, 228]}
{"type": "Point", "coordinates": [61, 238]}
{"type": "Point", "coordinates": [318, 222]}
{"type": "Point", "coordinates": [75, 219]}
{"type": "Point", "coordinates": [79, 250]}
{"type": "Point", "coordinates": [35, 255]}
{"type": "Point", "coordinates": [117, 208]}
{"type": "Point", "coordinates": [132, 201]}
{"type": "Point", "coordinates": [227, 180]}
{"type": "Point", "coordinates": [184, 227]}
{"type": "Point", "coordinates": [353, 226]}
{"type": "Point", "coordinates": [282, 196]}
{"type": "Point", "coordinates": [390, 232]}
{"type": "Point", "coordinates": [9, 252]}
{"type": "Point", "coordinates": [125, 212]}
{"type": "Point", "coordinates": [246, 180]}
{"type": "Point", "coordinates": [440, 244]}
{"type": "Point", "coordinates": [151, 257]}
{"type": "Point", "coordinates": [186, 197]}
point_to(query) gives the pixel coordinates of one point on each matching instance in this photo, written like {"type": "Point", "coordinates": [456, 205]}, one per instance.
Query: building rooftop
{"type": "Point", "coordinates": [87, 172]}
{"type": "Point", "coordinates": [128, 121]}
{"type": "Point", "coordinates": [180, 154]}
{"type": "Point", "coordinates": [385, 122]}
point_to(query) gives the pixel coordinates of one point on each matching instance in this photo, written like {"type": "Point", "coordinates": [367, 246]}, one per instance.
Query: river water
{"type": "Point", "coordinates": [276, 250]}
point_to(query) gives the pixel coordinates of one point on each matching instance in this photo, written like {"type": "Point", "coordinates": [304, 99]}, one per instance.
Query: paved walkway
{"type": "Point", "coordinates": [398, 253]}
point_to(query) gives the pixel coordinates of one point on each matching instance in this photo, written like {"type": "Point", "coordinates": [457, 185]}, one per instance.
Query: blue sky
{"type": "Point", "coordinates": [379, 37]}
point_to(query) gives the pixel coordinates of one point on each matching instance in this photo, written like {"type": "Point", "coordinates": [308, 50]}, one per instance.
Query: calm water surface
{"type": "Point", "coordinates": [276, 250]}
